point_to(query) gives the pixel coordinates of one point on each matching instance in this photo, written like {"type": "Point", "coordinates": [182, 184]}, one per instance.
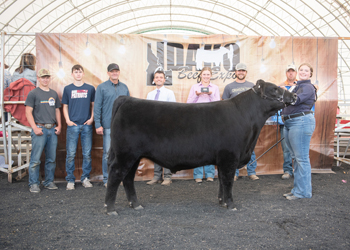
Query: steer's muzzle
{"type": "Point", "coordinates": [295, 98]}
{"type": "Point", "coordinates": [290, 98]}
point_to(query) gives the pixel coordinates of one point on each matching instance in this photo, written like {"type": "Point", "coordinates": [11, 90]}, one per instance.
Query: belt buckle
{"type": "Point", "coordinates": [48, 126]}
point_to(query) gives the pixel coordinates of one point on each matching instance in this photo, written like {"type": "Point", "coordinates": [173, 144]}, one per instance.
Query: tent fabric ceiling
{"type": "Point", "coordinates": [242, 17]}
{"type": "Point", "coordinates": [319, 18]}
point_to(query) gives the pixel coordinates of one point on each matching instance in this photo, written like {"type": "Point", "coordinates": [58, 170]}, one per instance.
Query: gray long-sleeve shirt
{"type": "Point", "coordinates": [105, 95]}
{"type": "Point", "coordinates": [27, 74]}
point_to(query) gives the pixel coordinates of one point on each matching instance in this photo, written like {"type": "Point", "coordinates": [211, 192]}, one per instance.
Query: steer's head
{"type": "Point", "coordinates": [270, 91]}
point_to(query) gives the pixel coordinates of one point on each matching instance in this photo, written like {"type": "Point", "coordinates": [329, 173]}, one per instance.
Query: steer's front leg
{"type": "Point", "coordinates": [226, 176]}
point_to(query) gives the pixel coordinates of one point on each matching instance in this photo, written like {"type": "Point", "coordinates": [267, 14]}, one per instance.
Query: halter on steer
{"type": "Point", "coordinates": [280, 99]}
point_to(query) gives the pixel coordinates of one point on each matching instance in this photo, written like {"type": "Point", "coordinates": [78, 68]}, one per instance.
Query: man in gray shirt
{"type": "Point", "coordinates": [231, 90]}
{"type": "Point", "coordinates": [44, 116]}
{"type": "Point", "coordinates": [105, 95]}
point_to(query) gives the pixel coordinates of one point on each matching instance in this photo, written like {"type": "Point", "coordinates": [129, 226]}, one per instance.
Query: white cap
{"type": "Point", "coordinates": [241, 66]}
{"type": "Point", "coordinates": [291, 66]}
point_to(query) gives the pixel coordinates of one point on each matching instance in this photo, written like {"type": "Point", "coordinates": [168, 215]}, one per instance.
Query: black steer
{"type": "Point", "coordinates": [181, 136]}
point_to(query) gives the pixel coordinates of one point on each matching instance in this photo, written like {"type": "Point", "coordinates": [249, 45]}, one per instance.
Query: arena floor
{"type": "Point", "coordinates": [182, 216]}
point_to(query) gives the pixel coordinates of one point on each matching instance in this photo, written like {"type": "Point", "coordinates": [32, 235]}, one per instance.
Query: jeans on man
{"type": "Point", "coordinates": [209, 171]}
{"type": "Point", "coordinates": [73, 132]}
{"type": "Point", "coordinates": [106, 146]}
{"type": "Point", "coordinates": [287, 159]}
{"type": "Point", "coordinates": [158, 172]}
{"type": "Point", "coordinates": [298, 132]}
{"type": "Point", "coordinates": [47, 141]}
{"type": "Point", "coordinates": [250, 167]}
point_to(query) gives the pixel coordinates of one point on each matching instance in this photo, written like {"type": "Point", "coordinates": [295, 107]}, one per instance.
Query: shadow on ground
{"type": "Point", "coordinates": [184, 215]}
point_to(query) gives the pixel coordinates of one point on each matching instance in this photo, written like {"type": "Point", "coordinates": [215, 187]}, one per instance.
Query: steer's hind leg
{"type": "Point", "coordinates": [221, 192]}
{"type": "Point", "coordinates": [113, 183]}
{"type": "Point", "coordinates": [129, 187]}
{"type": "Point", "coordinates": [116, 173]}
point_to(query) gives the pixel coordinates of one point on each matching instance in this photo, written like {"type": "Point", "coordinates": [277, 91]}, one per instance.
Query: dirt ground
{"type": "Point", "coordinates": [184, 215]}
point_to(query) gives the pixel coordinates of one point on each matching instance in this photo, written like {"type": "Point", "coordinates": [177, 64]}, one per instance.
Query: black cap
{"type": "Point", "coordinates": [113, 66]}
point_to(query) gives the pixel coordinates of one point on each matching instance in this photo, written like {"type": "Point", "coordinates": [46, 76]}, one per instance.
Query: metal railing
{"type": "Point", "coordinates": [9, 127]}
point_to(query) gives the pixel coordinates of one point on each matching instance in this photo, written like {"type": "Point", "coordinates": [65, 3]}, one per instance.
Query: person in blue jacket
{"type": "Point", "coordinates": [299, 125]}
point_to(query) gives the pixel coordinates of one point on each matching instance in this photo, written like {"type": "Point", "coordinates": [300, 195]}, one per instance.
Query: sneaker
{"type": "Point", "coordinates": [210, 179]}
{"type": "Point", "coordinates": [253, 177]}
{"type": "Point", "coordinates": [286, 176]}
{"type": "Point", "coordinates": [153, 182]}
{"type": "Point", "coordinates": [235, 178]}
{"type": "Point", "coordinates": [166, 182]}
{"type": "Point", "coordinates": [70, 186]}
{"type": "Point", "coordinates": [198, 180]}
{"type": "Point", "coordinates": [288, 194]}
{"type": "Point", "coordinates": [292, 197]}
{"type": "Point", "coordinates": [105, 185]}
{"type": "Point", "coordinates": [86, 183]}
{"type": "Point", "coordinates": [51, 186]}
{"type": "Point", "coordinates": [34, 188]}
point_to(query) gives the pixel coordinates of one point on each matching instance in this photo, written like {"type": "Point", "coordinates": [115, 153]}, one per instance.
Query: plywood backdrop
{"type": "Point", "coordinates": [181, 57]}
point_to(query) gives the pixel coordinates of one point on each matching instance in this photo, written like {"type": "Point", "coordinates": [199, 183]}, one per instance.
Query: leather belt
{"type": "Point", "coordinates": [47, 125]}
{"type": "Point", "coordinates": [286, 117]}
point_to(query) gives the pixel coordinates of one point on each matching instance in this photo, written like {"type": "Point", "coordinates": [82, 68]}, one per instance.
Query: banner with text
{"type": "Point", "coordinates": [182, 57]}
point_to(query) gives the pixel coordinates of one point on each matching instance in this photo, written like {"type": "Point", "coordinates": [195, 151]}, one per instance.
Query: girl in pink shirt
{"type": "Point", "coordinates": [204, 91]}
{"type": "Point", "coordinates": [197, 95]}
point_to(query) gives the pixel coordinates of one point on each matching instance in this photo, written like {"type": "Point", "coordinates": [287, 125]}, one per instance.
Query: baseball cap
{"type": "Point", "coordinates": [291, 66]}
{"type": "Point", "coordinates": [113, 66]}
{"type": "Point", "coordinates": [44, 72]}
{"type": "Point", "coordinates": [241, 66]}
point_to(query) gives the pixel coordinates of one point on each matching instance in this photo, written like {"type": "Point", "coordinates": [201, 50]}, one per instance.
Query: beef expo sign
{"type": "Point", "coordinates": [186, 60]}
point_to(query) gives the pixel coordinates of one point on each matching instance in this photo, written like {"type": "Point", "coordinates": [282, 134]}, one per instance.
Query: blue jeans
{"type": "Point", "coordinates": [208, 169]}
{"type": "Point", "coordinates": [298, 132]}
{"type": "Point", "coordinates": [250, 167]}
{"type": "Point", "coordinates": [287, 158]}
{"type": "Point", "coordinates": [106, 146]}
{"type": "Point", "coordinates": [73, 132]}
{"type": "Point", "coordinates": [158, 170]}
{"type": "Point", "coordinates": [47, 141]}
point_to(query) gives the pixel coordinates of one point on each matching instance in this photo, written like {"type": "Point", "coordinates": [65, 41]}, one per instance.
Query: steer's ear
{"type": "Point", "coordinates": [259, 83]}
{"type": "Point", "coordinates": [261, 86]}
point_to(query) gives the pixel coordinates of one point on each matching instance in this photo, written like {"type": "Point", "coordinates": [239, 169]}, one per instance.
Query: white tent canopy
{"type": "Point", "coordinates": [319, 18]}
{"type": "Point", "coordinates": [258, 17]}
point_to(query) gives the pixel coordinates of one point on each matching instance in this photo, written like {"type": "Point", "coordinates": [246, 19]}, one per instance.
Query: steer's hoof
{"type": "Point", "coordinates": [139, 207]}
{"type": "Point", "coordinates": [233, 209]}
{"type": "Point", "coordinates": [221, 201]}
{"type": "Point", "coordinates": [113, 213]}
{"type": "Point", "coordinates": [224, 205]}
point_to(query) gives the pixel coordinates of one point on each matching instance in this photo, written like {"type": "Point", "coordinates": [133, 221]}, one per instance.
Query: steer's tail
{"type": "Point", "coordinates": [117, 103]}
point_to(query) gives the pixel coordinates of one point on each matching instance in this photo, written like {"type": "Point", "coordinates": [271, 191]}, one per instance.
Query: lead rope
{"type": "Point", "coordinates": [266, 151]}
